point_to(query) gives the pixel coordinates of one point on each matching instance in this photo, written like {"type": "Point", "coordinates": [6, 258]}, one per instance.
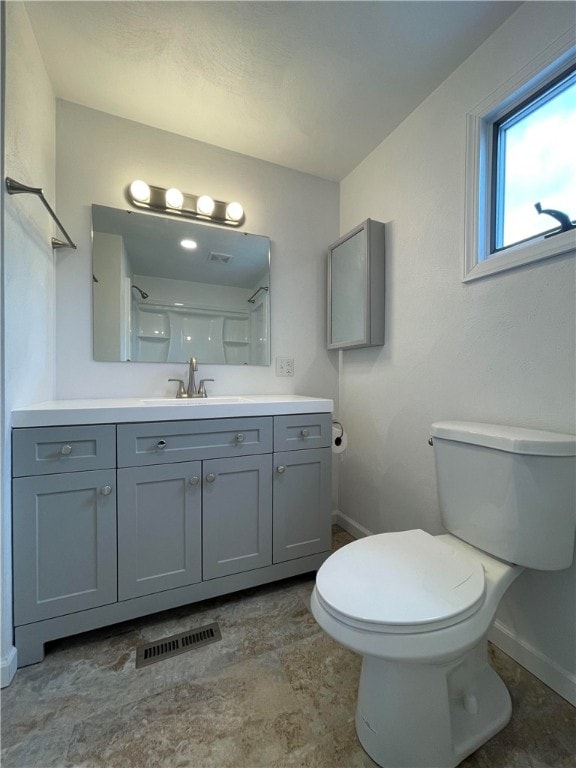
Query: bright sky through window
{"type": "Point", "coordinates": [538, 164]}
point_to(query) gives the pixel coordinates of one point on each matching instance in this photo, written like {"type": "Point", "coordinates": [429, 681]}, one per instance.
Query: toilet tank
{"type": "Point", "coordinates": [508, 491]}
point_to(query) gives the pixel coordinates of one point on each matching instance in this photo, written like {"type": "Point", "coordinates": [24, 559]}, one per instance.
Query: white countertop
{"type": "Point", "coordinates": [114, 410]}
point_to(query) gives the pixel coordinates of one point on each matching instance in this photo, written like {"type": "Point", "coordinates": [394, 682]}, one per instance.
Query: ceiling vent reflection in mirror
{"type": "Point", "coordinates": [183, 204]}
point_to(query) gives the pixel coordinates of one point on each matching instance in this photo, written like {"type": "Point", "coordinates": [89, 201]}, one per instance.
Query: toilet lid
{"type": "Point", "coordinates": [401, 582]}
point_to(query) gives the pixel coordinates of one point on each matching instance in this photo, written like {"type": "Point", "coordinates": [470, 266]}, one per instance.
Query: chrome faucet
{"type": "Point", "coordinates": [192, 368]}
{"type": "Point", "coordinates": [192, 390]}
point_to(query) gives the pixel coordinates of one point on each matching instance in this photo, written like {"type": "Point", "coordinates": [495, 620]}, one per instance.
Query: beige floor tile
{"type": "Point", "coordinates": [275, 692]}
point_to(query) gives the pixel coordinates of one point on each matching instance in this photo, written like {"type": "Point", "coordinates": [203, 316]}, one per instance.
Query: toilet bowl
{"type": "Point", "coordinates": [418, 607]}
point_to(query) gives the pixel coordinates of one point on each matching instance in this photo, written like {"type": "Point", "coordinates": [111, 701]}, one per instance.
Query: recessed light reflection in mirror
{"type": "Point", "coordinates": [189, 244]}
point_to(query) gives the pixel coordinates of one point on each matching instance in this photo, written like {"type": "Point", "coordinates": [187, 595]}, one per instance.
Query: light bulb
{"type": "Point", "coordinates": [140, 191]}
{"type": "Point", "coordinates": [205, 205]}
{"type": "Point", "coordinates": [234, 211]}
{"type": "Point", "coordinates": [174, 198]}
{"type": "Point", "coordinates": [190, 244]}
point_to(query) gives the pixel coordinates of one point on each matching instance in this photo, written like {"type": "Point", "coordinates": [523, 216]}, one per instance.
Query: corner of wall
{"type": "Point", "coordinates": [8, 666]}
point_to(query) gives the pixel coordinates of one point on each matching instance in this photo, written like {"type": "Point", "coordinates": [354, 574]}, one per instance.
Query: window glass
{"type": "Point", "coordinates": [534, 161]}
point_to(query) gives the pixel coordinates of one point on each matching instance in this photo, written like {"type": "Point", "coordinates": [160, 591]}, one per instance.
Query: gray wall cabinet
{"type": "Point", "coordinates": [150, 516]}
{"type": "Point", "coordinates": [356, 282]}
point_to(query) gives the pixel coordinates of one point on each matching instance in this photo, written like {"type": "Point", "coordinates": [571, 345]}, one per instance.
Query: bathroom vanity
{"type": "Point", "coordinates": [122, 508]}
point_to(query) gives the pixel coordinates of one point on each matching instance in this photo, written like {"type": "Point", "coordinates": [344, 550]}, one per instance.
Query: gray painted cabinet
{"type": "Point", "coordinates": [159, 528]}
{"type": "Point", "coordinates": [237, 515]}
{"type": "Point", "coordinates": [64, 538]}
{"type": "Point", "coordinates": [112, 522]}
{"type": "Point", "coordinates": [302, 481]}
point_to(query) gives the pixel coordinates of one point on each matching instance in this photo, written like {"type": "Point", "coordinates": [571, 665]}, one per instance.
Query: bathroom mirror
{"type": "Point", "coordinates": [166, 290]}
{"type": "Point", "coordinates": [356, 288]}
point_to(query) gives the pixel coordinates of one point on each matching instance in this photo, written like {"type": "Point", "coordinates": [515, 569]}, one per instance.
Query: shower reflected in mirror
{"type": "Point", "coordinates": [167, 290]}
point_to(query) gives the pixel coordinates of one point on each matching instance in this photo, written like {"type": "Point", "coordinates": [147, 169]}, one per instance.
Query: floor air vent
{"type": "Point", "coordinates": [150, 653]}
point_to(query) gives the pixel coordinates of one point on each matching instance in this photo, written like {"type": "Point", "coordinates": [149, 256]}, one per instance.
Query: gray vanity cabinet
{"type": "Point", "coordinates": [302, 484]}
{"type": "Point", "coordinates": [301, 523]}
{"type": "Point", "coordinates": [116, 521]}
{"type": "Point", "coordinates": [64, 521]}
{"type": "Point", "coordinates": [159, 528]}
{"type": "Point", "coordinates": [237, 515]}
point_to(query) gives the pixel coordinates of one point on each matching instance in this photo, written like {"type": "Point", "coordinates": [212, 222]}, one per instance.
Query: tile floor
{"type": "Point", "coordinates": [275, 692]}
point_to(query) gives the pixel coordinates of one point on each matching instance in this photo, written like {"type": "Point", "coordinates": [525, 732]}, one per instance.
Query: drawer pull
{"type": "Point", "coordinates": [281, 469]}
{"type": "Point", "coordinates": [161, 444]}
{"type": "Point", "coordinates": [239, 437]}
{"type": "Point", "coordinates": [210, 478]}
{"type": "Point", "coordinates": [106, 490]}
{"type": "Point", "coordinates": [194, 480]}
{"type": "Point", "coordinates": [305, 433]}
{"type": "Point", "coordinates": [66, 450]}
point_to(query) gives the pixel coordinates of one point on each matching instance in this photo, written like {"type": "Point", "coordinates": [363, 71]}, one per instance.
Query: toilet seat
{"type": "Point", "coordinates": [404, 582]}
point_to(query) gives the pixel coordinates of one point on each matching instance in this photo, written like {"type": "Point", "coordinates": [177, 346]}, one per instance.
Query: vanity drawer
{"type": "Point", "coordinates": [163, 442]}
{"type": "Point", "coordinates": [47, 450]}
{"type": "Point", "coordinates": [308, 430]}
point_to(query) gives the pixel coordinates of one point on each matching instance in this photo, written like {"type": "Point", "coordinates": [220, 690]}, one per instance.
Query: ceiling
{"type": "Point", "coordinates": [313, 86]}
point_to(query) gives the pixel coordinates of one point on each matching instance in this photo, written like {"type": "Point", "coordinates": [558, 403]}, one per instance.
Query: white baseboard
{"type": "Point", "coordinates": [353, 528]}
{"type": "Point", "coordinates": [553, 675]}
{"type": "Point", "coordinates": [8, 666]}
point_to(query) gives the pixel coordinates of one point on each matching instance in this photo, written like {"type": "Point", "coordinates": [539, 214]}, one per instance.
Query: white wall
{"type": "Point", "coordinates": [28, 279]}
{"type": "Point", "coordinates": [499, 349]}
{"type": "Point", "coordinates": [98, 155]}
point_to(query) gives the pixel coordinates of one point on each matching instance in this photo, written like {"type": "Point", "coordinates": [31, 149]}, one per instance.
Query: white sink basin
{"type": "Point", "coordinates": [224, 400]}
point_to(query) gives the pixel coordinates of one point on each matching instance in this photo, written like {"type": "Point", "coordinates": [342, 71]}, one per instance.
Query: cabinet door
{"type": "Point", "coordinates": [302, 503]}
{"type": "Point", "coordinates": [159, 528]}
{"type": "Point", "coordinates": [64, 544]}
{"type": "Point", "coordinates": [237, 515]}
{"type": "Point", "coordinates": [356, 288]}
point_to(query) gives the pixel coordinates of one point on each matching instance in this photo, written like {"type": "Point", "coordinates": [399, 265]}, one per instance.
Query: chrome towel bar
{"type": "Point", "coordinates": [17, 188]}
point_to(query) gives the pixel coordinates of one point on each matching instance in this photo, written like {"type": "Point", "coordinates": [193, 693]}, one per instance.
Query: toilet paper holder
{"type": "Point", "coordinates": [338, 438]}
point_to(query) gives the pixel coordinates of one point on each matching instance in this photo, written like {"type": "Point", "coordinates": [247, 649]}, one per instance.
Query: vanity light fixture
{"type": "Point", "coordinates": [174, 198]}
{"type": "Point", "coordinates": [177, 203]}
{"type": "Point", "coordinates": [205, 205]}
{"type": "Point", "coordinates": [140, 191]}
{"type": "Point", "coordinates": [234, 211]}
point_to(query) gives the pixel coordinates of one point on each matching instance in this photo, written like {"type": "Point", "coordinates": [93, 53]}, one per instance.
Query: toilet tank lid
{"type": "Point", "coordinates": [504, 438]}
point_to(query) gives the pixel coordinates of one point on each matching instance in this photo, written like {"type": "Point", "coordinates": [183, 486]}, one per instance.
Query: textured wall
{"type": "Point", "coordinates": [497, 350]}
{"type": "Point", "coordinates": [29, 296]}
{"type": "Point", "coordinates": [97, 157]}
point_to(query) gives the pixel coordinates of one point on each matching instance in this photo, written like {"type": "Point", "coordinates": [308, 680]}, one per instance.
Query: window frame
{"type": "Point", "coordinates": [528, 84]}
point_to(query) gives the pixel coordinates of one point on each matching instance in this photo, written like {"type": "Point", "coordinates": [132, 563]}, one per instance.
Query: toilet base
{"type": "Point", "coordinates": [429, 716]}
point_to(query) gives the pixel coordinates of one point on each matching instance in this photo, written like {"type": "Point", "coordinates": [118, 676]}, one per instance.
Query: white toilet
{"type": "Point", "coordinates": [418, 607]}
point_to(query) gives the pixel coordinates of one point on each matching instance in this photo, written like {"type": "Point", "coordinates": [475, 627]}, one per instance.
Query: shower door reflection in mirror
{"type": "Point", "coordinates": [166, 290]}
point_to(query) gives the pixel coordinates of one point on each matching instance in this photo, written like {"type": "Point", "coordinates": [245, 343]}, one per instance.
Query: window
{"type": "Point", "coordinates": [521, 170]}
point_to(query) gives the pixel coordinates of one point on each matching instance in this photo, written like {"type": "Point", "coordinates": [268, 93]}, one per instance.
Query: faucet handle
{"type": "Point", "coordinates": [202, 387]}
{"type": "Point", "coordinates": [181, 388]}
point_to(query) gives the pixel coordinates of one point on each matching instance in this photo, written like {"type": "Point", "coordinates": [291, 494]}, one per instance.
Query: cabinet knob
{"type": "Point", "coordinates": [66, 450]}
{"type": "Point", "coordinates": [106, 490]}
{"type": "Point", "coordinates": [304, 432]}
{"type": "Point", "coordinates": [281, 469]}
{"type": "Point", "coordinates": [194, 480]}
{"type": "Point", "coordinates": [161, 444]}
{"type": "Point", "coordinates": [239, 437]}
{"type": "Point", "coordinates": [210, 477]}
